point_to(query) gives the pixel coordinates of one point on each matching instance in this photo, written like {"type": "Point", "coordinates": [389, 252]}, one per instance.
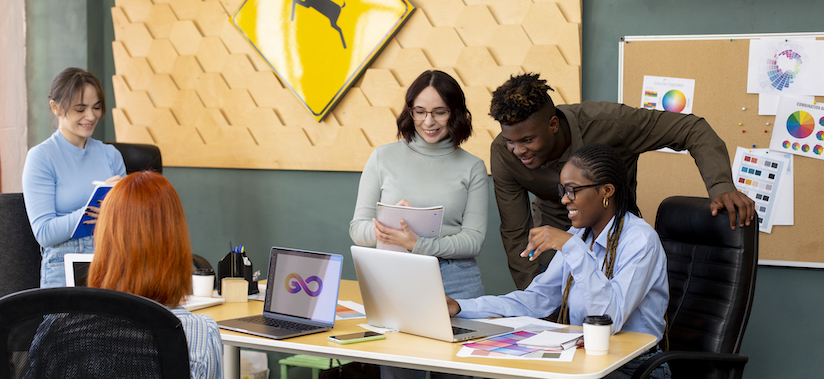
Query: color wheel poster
{"type": "Point", "coordinates": [786, 66]}
{"type": "Point", "coordinates": [668, 94]}
{"type": "Point", "coordinates": [759, 175]}
{"type": "Point", "coordinates": [799, 128]}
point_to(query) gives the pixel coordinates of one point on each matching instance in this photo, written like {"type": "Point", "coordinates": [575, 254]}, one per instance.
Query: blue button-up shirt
{"type": "Point", "coordinates": [636, 297]}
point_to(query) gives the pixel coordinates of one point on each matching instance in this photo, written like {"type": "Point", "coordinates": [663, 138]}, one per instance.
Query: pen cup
{"type": "Point", "coordinates": [203, 282]}
{"type": "Point", "coordinates": [597, 330]}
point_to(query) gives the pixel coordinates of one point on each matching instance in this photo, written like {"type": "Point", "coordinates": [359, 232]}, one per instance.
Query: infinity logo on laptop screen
{"type": "Point", "coordinates": [294, 283]}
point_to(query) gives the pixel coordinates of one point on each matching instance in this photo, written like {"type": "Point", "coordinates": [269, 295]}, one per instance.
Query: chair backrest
{"type": "Point", "coordinates": [139, 157]}
{"type": "Point", "coordinates": [711, 275]}
{"type": "Point", "coordinates": [19, 251]}
{"type": "Point", "coordinates": [81, 332]}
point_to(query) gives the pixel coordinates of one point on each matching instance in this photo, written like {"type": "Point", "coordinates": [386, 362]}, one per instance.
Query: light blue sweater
{"type": "Point", "coordinates": [427, 175]}
{"type": "Point", "coordinates": [57, 182]}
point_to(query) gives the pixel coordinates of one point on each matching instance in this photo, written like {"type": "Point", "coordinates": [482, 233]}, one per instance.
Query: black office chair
{"type": "Point", "coordinates": [712, 281]}
{"type": "Point", "coordinates": [19, 251]}
{"type": "Point", "coordinates": [139, 157]}
{"type": "Point", "coordinates": [81, 332]}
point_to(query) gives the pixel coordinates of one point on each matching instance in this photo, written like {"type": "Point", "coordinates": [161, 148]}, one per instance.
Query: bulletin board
{"type": "Point", "coordinates": [718, 64]}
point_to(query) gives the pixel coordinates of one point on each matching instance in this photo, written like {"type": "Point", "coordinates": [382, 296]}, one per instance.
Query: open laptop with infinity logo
{"type": "Point", "coordinates": [301, 295]}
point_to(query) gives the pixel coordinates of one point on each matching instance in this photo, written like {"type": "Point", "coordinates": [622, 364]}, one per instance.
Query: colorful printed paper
{"type": "Point", "coordinates": [758, 174]}
{"type": "Point", "coordinates": [799, 128]}
{"type": "Point", "coordinates": [786, 66]}
{"type": "Point", "coordinates": [668, 94]}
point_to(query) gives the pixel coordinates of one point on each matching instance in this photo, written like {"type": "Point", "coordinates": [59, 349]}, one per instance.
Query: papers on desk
{"type": "Point", "coordinates": [193, 303]}
{"type": "Point", "coordinates": [510, 345]}
{"type": "Point", "coordinates": [425, 222]}
{"type": "Point", "coordinates": [560, 339]}
{"type": "Point", "coordinates": [349, 310]}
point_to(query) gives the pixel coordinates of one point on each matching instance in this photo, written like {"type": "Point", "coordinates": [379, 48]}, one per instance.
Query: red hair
{"type": "Point", "coordinates": [142, 242]}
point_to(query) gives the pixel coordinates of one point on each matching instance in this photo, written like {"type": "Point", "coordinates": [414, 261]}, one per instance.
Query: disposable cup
{"type": "Point", "coordinates": [597, 330]}
{"type": "Point", "coordinates": [203, 282]}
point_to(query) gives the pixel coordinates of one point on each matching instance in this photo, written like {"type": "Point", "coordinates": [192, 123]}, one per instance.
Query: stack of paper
{"type": "Point", "coordinates": [560, 339]}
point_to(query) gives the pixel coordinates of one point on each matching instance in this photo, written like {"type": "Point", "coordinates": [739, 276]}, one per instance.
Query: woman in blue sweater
{"type": "Point", "coordinates": [58, 173]}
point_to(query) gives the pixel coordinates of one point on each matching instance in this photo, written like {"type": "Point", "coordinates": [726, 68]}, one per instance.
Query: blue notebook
{"type": "Point", "coordinates": [84, 230]}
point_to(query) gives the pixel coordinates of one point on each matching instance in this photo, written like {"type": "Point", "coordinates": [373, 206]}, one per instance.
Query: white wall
{"type": "Point", "coordinates": [12, 94]}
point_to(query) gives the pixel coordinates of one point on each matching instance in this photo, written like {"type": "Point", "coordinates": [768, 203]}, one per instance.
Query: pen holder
{"type": "Point", "coordinates": [236, 265]}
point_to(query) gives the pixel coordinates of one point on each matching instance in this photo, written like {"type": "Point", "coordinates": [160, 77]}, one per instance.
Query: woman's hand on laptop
{"type": "Point", "coordinates": [453, 306]}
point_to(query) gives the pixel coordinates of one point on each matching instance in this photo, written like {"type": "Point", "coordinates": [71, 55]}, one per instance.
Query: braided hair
{"type": "Point", "coordinates": [520, 97]}
{"type": "Point", "coordinates": [602, 164]}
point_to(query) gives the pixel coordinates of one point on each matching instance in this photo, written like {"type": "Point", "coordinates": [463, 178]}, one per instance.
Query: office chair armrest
{"type": "Point", "coordinates": [733, 360]}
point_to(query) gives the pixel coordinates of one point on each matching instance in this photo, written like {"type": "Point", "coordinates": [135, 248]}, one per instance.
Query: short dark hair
{"type": "Point", "coordinates": [520, 97]}
{"type": "Point", "coordinates": [71, 81]}
{"type": "Point", "coordinates": [459, 125]}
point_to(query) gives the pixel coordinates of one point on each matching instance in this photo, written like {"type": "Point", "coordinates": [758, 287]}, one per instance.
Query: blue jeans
{"type": "Point", "coordinates": [461, 278]}
{"type": "Point", "coordinates": [52, 271]}
{"type": "Point", "coordinates": [626, 371]}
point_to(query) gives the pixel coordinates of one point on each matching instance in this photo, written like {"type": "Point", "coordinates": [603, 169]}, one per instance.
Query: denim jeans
{"type": "Point", "coordinates": [461, 278]}
{"type": "Point", "coordinates": [52, 271]}
{"type": "Point", "coordinates": [626, 371]}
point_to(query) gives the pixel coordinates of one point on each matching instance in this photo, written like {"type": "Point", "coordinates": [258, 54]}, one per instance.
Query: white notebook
{"type": "Point", "coordinates": [425, 222]}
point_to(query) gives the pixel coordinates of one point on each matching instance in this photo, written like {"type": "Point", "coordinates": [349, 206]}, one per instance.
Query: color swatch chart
{"type": "Point", "coordinates": [667, 94]}
{"type": "Point", "coordinates": [506, 346]}
{"type": "Point", "coordinates": [781, 66]}
{"type": "Point", "coordinates": [799, 128]}
{"type": "Point", "coordinates": [758, 177]}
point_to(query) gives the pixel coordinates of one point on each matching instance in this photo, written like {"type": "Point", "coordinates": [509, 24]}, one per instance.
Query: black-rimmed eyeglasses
{"type": "Point", "coordinates": [569, 191]}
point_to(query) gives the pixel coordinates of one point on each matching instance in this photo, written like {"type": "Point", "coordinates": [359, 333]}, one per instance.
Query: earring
{"type": "Point", "coordinates": [606, 202]}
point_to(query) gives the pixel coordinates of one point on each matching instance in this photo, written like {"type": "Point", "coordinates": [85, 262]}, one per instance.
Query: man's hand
{"type": "Point", "coordinates": [731, 201]}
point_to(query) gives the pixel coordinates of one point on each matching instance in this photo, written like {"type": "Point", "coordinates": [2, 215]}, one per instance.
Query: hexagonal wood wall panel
{"type": "Point", "coordinates": [187, 82]}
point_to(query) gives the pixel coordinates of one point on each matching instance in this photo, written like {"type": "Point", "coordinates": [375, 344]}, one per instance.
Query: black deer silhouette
{"type": "Point", "coordinates": [326, 8]}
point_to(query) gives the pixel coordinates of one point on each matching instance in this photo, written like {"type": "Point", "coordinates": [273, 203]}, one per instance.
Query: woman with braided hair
{"type": "Point", "coordinates": [610, 262]}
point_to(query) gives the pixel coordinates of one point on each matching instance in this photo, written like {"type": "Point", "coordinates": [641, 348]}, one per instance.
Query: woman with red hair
{"type": "Point", "coordinates": [142, 247]}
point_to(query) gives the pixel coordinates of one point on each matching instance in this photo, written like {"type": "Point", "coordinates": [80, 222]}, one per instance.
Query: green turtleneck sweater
{"type": "Point", "coordinates": [427, 175]}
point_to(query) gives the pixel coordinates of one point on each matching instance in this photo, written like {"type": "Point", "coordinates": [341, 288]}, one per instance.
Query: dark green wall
{"type": "Point", "coordinates": [261, 208]}
{"type": "Point", "coordinates": [784, 334]}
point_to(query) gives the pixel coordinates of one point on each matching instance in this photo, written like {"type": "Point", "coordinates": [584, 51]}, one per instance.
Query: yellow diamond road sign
{"type": "Point", "coordinates": [319, 47]}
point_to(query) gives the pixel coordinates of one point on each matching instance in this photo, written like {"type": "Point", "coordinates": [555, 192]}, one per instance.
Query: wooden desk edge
{"type": "Point", "coordinates": [483, 367]}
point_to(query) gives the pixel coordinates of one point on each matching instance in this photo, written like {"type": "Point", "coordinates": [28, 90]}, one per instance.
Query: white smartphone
{"type": "Point", "coordinates": [357, 337]}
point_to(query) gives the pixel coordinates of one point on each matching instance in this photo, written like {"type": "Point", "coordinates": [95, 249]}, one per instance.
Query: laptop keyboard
{"type": "Point", "coordinates": [282, 324]}
{"type": "Point", "coordinates": [456, 330]}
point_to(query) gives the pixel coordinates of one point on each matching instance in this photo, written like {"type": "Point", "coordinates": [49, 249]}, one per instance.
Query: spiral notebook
{"type": "Point", "coordinates": [425, 222]}
{"type": "Point", "coordinates": [84, 230]}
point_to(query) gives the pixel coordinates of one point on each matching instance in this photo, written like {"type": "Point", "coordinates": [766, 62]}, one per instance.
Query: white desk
{"type": "Point", "coordinates": [405, 350]}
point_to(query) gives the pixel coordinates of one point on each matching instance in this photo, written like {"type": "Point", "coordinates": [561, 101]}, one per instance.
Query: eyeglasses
{"type": "Point", "coordinates": [569, 191]}
{"type": "Point", "coordinates": [439, 114]}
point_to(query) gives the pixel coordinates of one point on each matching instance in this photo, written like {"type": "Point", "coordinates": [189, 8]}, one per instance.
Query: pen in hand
{"type": "Point", "coordinates": [531, 253]}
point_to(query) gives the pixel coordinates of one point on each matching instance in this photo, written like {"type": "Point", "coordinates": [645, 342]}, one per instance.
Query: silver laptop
{"type": "Point", "coordinates": [404, 291]}
{"type": "Point", "coordinates": [301, 295]}
{"type": "Point", "coordinates": [77, 275]}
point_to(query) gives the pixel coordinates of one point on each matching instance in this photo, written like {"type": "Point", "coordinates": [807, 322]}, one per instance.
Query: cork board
{"type": "Point", "coordinates": [188, 82]}
{"type": "Point", "coordinates": [719, 66]}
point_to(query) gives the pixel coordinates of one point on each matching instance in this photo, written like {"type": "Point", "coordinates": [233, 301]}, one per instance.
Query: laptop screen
{"type": "Point", "coordinates": [77, 269]}
{"type": "Point", "coordinates": [303, 284]}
